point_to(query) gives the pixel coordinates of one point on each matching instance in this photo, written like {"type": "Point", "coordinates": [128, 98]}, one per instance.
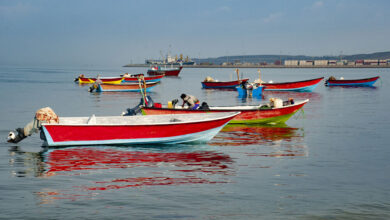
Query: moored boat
{"type": "Point", "coordinates": [153, 129]}
{"type": "Point", "coordinates": [297, 86]}
{"type": "Point", "coordinates": [125, 87]}
{"type": "Point", "coordinates": [104, 80]}
{"type": "Point", "coordinates": [351, 82]}
{"type": "Point", "coordinates": [134, 78]}
{"type": "Point", "coordinates": [123, 130]}
{"type": "Point", "coordinates": [260, 114]}
{"type": "Point", "coordinates": [158, 70]}
{"type": "Point", "coordinates": [222, 84]}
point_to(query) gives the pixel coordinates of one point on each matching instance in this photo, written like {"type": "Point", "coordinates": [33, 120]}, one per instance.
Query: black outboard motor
{"type": "Point", "coordinates": [204, 106]}
{"type": "Point", "coordinates": [137, 109]}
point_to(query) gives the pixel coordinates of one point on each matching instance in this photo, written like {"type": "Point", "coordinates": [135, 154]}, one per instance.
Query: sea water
{"type": "Point", "coordinates": [330, 161]}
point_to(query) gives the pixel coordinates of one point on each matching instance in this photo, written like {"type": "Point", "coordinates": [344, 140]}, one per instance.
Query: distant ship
{"type": "Point", "coordinates": [169, 60]}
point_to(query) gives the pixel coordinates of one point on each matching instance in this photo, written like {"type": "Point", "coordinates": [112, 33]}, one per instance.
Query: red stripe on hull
{"type": "Point", "coordinates": [61, 133]}
{"type": "Point", "coordinates": [292, 85]}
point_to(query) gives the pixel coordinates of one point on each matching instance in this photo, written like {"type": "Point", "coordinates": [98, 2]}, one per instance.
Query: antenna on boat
{"type": "Point", "coordinates": [259, 77]}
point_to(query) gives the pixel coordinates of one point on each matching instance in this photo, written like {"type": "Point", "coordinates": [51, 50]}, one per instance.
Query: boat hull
{"type": "Point", "coordinates": [246, 116]}
{"type": "Point", "coordinates": [223, 85]}
{"type": "Point", "coordinates": [124, 87]}
{"type": "Point", "coordinates": [298, 86]}
{"type": "Point", "coordinates": [134, 79]}
{"type": "Point", "coordinates": [123, 134]}
{"type": "Point", "coordinates": [352, 82]}
{"type": "Point", "coordinates": [166, 72]}
{"type": "Point", "coordinates": [106, 80]}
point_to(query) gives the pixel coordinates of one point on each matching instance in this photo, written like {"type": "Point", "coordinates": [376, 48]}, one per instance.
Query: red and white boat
{"type": "Point", "coordinates": [134, 78]}
{"type": "Point", "coordinates": [158, 70]}
{"type": "Point", "coordinates": [222, 84]}
{"type": "Point", "coordinates": [123, 130]}
{"type": "Point", "coordinates": [250, 114]}
{"type": "Point", "coordinates": [297, 86]}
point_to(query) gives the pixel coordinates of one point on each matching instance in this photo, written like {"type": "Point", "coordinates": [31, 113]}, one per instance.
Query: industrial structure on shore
{"type": "Point", "coordinates": [380, 59]}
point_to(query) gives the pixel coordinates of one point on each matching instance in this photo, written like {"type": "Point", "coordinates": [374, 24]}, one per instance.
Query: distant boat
{"type": "Point", "coordinates": [248, 114]}
{"type": "Point", "coordinates": [105, 80]}
{"type": "Point", "coordinates": [158, 70]}
{"type": "Point", "coordinates": [222, 84]}
{"type": "Point", "coordinates": [297, 86]}
{"type": "Point", "coordinates": [352, 82]}
{"type": "Point", "coordinates": [125, 87]}
{"type": "Point", "coordinates": [134, 78]}
{"type": "Point", "coordinates": [121, 130]}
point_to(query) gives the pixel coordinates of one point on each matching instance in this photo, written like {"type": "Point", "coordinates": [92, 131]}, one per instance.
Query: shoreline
{"type": "Point", "coordinates": [264, 66]}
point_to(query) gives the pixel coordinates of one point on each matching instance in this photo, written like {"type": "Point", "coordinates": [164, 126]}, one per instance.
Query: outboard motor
{"type": "Point", "coordinates": [204, 106]}
{"type": "Point", "coordinates": [137, 109]}
{"type": "Point", "coordinates": [16, 138]}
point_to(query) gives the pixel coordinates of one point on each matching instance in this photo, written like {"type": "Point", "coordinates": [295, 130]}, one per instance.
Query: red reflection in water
{"type": "Point", "coordinates": [75, 159]}
{"type": "Point", "coordinates": [152, 181]}
{"type": "Point", "coordinates": [199, 167]}
{"type": "Point", "coordinates": [236, 135]}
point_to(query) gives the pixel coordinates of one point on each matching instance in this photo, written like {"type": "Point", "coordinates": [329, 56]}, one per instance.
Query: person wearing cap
{"type": "Point", "coordinates": [190, 100]}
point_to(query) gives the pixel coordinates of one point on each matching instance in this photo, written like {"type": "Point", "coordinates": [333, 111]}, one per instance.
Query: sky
{"type": "Point", "coordinates": [119, 32]}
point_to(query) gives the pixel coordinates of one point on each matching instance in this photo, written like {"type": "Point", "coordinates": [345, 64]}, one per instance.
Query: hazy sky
{"type": "Point", "coordinates": [117, 32]}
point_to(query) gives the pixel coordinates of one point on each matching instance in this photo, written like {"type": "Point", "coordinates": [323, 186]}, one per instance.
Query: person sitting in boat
{"type": "Point", "coordinates": [96, 84]}
{"type": "Point", "coordinates": [190, 100]}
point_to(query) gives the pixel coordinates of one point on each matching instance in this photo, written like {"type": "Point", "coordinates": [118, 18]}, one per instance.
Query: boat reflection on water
{"type": "Point", "coordinates": [312, 96]}
{"type": "Point", "coordinates": [151, 166]}
{"type": "Point", "coordinates": [276, 140]}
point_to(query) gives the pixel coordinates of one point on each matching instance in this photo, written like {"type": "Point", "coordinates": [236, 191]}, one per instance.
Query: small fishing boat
{"type": "Point", "coordinates": [105, 80]}
{"type": "Point", "coordinates": [298, 86]}
{"type": "Point", "coordinates": [158, 70]}
{"type": "Point", "coordinates": [125, 87]}
{"type": "Point", "coordinates": [351, 82]}
{"type": "Point", "coordinates": [134, 78]}
{"type": "Point", "coordinates": [153, 129]}
{"type": "Point", "coordinates": [222, 84]}
{"type": "Point", "coordinates": [260, 114]}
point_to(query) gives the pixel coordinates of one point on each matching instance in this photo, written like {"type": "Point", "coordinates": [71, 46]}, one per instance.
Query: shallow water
{"type": "Point", "coordinates": [328, 162]}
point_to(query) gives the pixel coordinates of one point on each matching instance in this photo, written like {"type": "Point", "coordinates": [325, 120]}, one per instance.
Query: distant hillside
{"type": "Point", "coordinates": [273, 58]}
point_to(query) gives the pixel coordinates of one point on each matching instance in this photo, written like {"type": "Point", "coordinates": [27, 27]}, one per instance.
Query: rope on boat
{"type": "Point", "coordinates": [380, 79]}
{"type": "Point", "coordinates": [300, 114]}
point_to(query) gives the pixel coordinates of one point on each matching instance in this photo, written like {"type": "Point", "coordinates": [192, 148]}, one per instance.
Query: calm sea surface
{"type": "Point", "coordinates": [330, 161]}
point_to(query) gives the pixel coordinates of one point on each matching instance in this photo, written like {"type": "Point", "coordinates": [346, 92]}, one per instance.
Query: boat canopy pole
{"type": "Point", "coordinates": [259, 77]}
